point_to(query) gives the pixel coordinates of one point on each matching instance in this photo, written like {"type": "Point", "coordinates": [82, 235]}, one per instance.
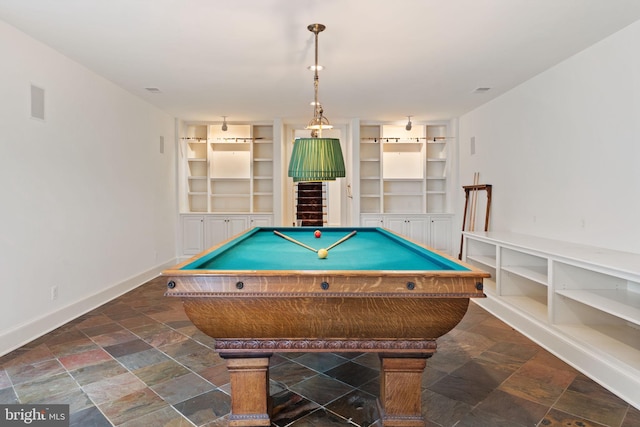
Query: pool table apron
{"type": "Point", "coordinates": [399, 316]}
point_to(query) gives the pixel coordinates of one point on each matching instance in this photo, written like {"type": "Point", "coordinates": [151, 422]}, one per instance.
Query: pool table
{"type": "Point", "coordinates": [267, 290]}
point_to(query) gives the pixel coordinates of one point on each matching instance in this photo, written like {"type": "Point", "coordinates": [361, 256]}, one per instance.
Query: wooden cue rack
{"type": "Point", "coordinates": [467, 190]}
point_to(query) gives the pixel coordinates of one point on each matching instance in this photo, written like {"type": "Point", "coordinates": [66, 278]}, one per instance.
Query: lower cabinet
{"type": "Point", "coordinates": [219, 228]}
{"type": "Point", "coordinates": [440, 234]}
{"type": "Point", "coordinates": [371, 221]}
{"type": "Point", "coordinates": [200, 232]}
{"type": "Point", "coordinates": [415, 228]}
{"type": "Point", "coordinates": [260, 221]}
{"type": "Point", "coordinates": [192, 234]}
{"type": "Point", "coordinates": [433, 230]}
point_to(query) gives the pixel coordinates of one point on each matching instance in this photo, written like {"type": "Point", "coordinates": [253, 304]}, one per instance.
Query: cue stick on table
{"type": "Point", "coordinates": [348, 236]}
{"type": "Point", "coordinates": [277, 233]}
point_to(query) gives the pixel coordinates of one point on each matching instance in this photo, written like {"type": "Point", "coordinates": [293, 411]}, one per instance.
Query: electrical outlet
{"type": "Point", "coordinates": [54, 293]}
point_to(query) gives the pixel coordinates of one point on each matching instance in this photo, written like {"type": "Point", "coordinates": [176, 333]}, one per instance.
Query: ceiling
{"type": "Point", "coordinates": [383, 59]}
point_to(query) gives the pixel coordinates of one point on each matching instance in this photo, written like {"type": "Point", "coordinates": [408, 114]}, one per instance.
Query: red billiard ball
{"type": "Point", "coordinates": [317, 233]}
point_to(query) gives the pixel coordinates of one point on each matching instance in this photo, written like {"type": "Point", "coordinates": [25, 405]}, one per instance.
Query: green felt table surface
{"type": "Point", "coordinates": [373, 249]}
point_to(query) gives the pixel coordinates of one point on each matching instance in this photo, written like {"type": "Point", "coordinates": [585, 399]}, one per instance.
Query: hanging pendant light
{"type": "Point", "coordinates": [316, 158]}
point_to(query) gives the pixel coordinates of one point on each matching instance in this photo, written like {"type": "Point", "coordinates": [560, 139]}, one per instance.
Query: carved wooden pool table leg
{"type": "Point", "coordinates": [250, 400]}
{"type": "Point", "coordinates": [400, 390]}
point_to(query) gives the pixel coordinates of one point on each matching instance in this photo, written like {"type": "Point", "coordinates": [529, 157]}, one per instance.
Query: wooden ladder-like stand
{"type": "Point", "coordinates": [467, 190]}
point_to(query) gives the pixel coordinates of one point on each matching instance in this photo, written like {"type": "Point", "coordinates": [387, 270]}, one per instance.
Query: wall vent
{"type": "Point", "coordinates": [37, 102]}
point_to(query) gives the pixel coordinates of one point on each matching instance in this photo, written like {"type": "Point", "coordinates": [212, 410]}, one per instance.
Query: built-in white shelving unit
{"type": "Point", "coordinates": [228, 182]}
{"type": "Point", "coordinates": [370, 170]}
{"type": "Point", "coordinates": [403, 171]}
{"type": "Point", "coordinates": [402, 181]}
{"type": "Point", "coordinates": [229, 172]}
{"type": "Point", "coordinates": [436, 173]}
{"type": "Point", "coordinates": [582, 303]}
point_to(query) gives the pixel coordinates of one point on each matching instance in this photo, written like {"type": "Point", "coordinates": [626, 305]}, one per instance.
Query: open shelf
{"type": "Point", "coordinates": [490, 286]}
{"type": "Point", "coordinates": [228, 171]}
{"type": "Point", "coordinates": [197, 168]}
{"type": "Point", "coordinates": [370, 204]}
{"type": "Point", "coordinates": [525, 265]}
{"type": "Point", "coordinates": [230, 203]}
{"type": "Point", "coordinates": [484, 261]}
{"type": "Point", "coordinates": [229, 186]}
{"type": "Point", "coordinates": [370, 170]}
{"type": "Point", "coordinates": [263, 202]}
{"type": "Point", "coordinates": [403, 203]}
{"type": "Point", "coordinates": [604, 340]}
{"type": "Point", "coordinates": [606, 292]}
{"type": "Point", "coordinates": [619, 302]}
{"type": "Point", "coordinates": [197, 184]}
{"type": "Point", "coordinates": [198, 202]}
{"type": "Point", "coordinates": [536, 273]}
{"type": "Point", "coordinates": [481, 252]}
{"type": "Point", "coordinates": [403, 161]}
{"type": "Point", "coordinates": [533, 305]}
{"type": "Point", "coordinates": [529, 296]}
{"type": "Point", "coordinates": [580, 302]}
{"type": "Point", "coordinates": [603, 320]}
{"type": "Point", "coordinates": [411, 164]}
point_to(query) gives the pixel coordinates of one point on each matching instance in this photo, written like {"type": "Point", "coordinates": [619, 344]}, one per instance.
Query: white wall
{"type": "Point", "coordinates": [562, 149]}
{"type": "Point", "coordinates": [87, 200]}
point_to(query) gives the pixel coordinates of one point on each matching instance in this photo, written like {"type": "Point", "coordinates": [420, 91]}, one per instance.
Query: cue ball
{"type": "Point", "coordinates": [322, 253]}
{"type": "Point", "coordinates": [317, 233]}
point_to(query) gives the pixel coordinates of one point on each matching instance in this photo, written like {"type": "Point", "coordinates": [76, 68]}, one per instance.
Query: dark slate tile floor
{"type": "Point", "coordinates": [138, 361]}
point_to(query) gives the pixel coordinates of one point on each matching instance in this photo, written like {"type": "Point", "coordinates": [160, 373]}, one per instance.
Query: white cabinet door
{"type": "Point", "coordinates": [397, 225]}
{"type": "Point", "coordinates": [371, 221]}
{"type": "Point", "coordinates": [260, 221]}
{"type": "Point", "coordinates": [236, 225]}
{"type": "Point", "coordinates": [215, 230]}
{"type": "Point", "coordinates": [192, 234]}
{"type": "Point", "coordinates": [440, 234]}
{"type": "Point", "coordinates": [200, 232]}
{"type": "Point", "coordinates": [219, 228]}
{"type": "Point", "coordinates": [416, 229]}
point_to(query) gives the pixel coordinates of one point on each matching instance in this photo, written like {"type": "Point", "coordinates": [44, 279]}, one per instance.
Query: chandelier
{"type": "Point", "coordinates": [316, 158]}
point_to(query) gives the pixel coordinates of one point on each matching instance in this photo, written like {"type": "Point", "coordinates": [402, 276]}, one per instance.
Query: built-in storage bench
{"type": "Point", "coordinates": [582, 303]}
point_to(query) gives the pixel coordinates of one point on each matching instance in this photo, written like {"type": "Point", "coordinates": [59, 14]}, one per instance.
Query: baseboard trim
{"type": "Point", "coordinates": [29, 331]}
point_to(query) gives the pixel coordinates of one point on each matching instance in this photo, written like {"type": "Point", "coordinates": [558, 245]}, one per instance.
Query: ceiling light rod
{"type": "Point", "coordinates": [408, 126]}
{"type": "Point", "coordinates": [234, 139]}
{"type": "Point", "coordinates": [224, 124]}
{"type": "Point", "coordinates": [318, 122]}
{"type": "Point", "coordinates": [431, 138]}
{"type": "Point", "coordinates": [316, 158]}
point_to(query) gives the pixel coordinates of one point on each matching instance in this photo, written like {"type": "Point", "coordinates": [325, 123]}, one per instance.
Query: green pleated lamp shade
{"type": "Point", "coordinates": [316, 159]}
